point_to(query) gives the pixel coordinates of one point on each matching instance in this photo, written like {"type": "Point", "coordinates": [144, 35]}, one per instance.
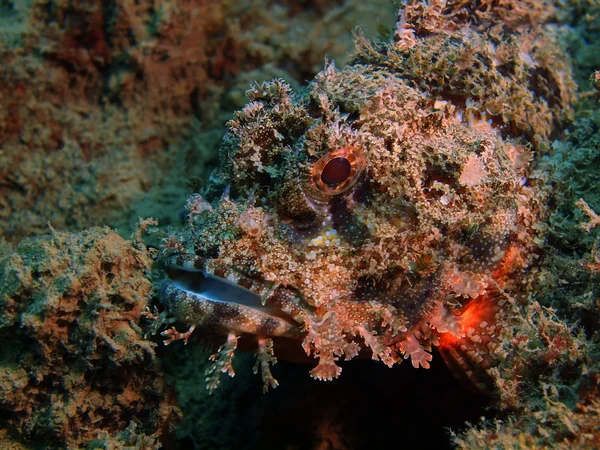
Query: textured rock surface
{"type": "Point", "coordinates": [75, 369]}
{"type": "Point", "coordinates": [105, 105]}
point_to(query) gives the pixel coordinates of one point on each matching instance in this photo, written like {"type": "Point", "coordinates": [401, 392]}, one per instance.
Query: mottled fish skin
{"type": "Point", "coordinates": [211, 295]}
{"type": "Point", "coordinates": [223, 316]}
{"type": "Point", "coordinates": [387, 209]}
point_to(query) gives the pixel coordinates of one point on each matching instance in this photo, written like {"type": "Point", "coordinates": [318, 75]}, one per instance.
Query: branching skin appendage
{"type": "Point", "coordinates": [387, 209]}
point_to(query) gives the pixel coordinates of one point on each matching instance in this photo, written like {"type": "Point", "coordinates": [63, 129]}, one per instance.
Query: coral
{"type": "Point", "coordinates": [554, 425]}
{"type": "Point", "coordinates": [106, 104]}
{"type": "Point", "coordinates": [78, 371]}
{"type": "Point", "coordinates": [593, 218]}
{"type": "Point", "coordinates": [581, 36]}
{"type": "Point", "coordinates": [390, 207]}
{"type": "Point", "coordinates": [571, 168]}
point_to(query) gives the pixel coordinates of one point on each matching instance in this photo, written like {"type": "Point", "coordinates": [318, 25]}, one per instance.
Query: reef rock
{"type": "Point", "coordinates": [75, 369]}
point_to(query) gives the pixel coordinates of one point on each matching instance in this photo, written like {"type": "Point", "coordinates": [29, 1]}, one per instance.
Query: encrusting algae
{"type": "Point", "coordinates": [388, 208]}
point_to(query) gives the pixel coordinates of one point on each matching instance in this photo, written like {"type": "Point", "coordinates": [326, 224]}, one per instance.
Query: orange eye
{"type": "Point", "coordinates": [338, 171]}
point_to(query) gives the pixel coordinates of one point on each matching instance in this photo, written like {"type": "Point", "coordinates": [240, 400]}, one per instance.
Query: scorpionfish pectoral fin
{"type": "Point", "coordinates": [483, 323]}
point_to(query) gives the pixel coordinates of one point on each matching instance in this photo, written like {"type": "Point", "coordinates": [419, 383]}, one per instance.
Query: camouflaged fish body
{"type": "Point", "coordinates": [388, 209]}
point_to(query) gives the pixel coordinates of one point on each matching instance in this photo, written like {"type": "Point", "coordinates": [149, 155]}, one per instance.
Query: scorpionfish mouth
{"type": "Point", "coordinates": [216, 296]}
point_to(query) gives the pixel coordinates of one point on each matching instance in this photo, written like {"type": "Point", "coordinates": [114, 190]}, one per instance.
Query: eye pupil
{"type": "Point", "coordinates": [336, 171]}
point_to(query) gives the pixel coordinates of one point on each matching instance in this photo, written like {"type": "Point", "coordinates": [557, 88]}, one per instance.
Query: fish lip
{"type": "Point", "coordinates": [189, 279]}
{"type": "Point", "coordinates": [210, 287]}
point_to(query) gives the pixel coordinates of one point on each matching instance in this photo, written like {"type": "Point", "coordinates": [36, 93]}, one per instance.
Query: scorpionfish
{"type": "Point", "coordinates": [388, 208]}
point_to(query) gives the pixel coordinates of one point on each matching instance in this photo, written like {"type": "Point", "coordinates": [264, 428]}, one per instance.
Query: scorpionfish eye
{"type": "Point", "coordinates": [338, 170]}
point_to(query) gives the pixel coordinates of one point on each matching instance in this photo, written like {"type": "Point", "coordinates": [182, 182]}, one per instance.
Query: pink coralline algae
{"type": "Point", "coordinates": [388, 208]}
